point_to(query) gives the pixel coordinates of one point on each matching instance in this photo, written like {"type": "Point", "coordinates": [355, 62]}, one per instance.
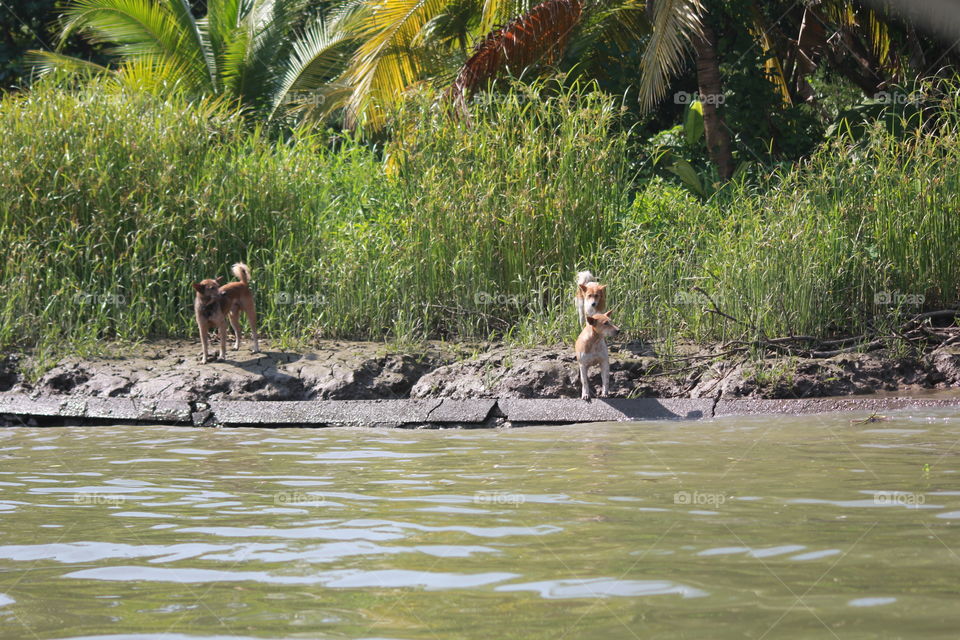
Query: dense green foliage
{"type": "Point", "coordinates": [449, 231]}
{"type": "Point", "coordinates": [128, 199]}
{"type": "Point", "coordinates": [32, 24]}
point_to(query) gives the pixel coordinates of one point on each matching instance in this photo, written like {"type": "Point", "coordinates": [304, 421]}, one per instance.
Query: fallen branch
{"type": "Point", "coordinates": [466, 312]}
{"type": "Point", "coordinates": [912, 330]}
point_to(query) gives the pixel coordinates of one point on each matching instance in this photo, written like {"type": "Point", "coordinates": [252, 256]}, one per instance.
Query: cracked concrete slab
{"type": "Point", "coordinates": [759, 406]}
{"type": "Point", "coordinates": [604, 410]}
{"type": "Point", "coordinates": [351, 412]}
{"type": "Point", "coordinates": [120, 409]}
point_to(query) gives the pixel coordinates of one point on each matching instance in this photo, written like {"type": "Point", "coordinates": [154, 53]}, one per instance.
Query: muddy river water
{"type": "Point", "coordinates": [761, 527]}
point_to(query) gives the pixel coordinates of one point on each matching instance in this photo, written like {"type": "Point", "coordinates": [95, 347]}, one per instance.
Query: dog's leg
{"type": "Point", "coordinates": [205, 342]}
{"type": "Point", "coordinates": [235, 323]}
{"type": "Point", "coordinates": [584, 382]}
{"type": "Point", "coordinates": [252, 317]}
{"type": "Point", "coordinates": [605, 377]}
{"type": "Point", "coordinates": [579, 302]}
{"type": "Point", "coordinates": [222, 330]}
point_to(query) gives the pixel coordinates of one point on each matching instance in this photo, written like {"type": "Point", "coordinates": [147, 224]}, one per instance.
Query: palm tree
{"type": "Point", "coordinates": [678, 30]}
{"type": "Point", "coordinates": [401, 42]}
{"type": "Point", "coordinates": [248, 50]}
{"type": "Point", "coordinates": [674, 27]}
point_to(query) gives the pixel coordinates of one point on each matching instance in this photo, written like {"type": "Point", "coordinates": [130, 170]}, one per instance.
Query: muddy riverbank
{"type": "Point", "coordinates": [339, 370]}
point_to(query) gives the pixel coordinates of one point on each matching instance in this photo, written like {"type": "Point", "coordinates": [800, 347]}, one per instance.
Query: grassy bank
{"type": "Point", "coordinates": [115, 202]}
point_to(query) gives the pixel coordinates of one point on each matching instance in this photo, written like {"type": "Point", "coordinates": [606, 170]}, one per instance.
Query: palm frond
{"type": "Point", "coordinates": [222, 20]}
{"type": "Point", "coordinates": [619, 22]}
{"type": "Point", "coordinates": [46, 62]}
{"type": "Point", "coordinates": [674, 23]}
{"type": "Point", "coordinates": [151, 74]}
{"type": "Point", "coordinates": [268, 26]}
{"type": "Point", "coordinates": [232, 58]}
{"type": "Point", "coordinates": [498, 12]}
{"type": "Point", "coordinates": [158, 75]}
{"type": "Point", "coordinates": [538, 36]}
{"type": "Point", "coordinates": [319, 56]}
{"type": "Point", "coordinates": [327, 101]}
{"type": "Point", "coordinates": [879, 36]}
{"type": "Point", "coordinates": [772, 64]}
{"type": "Point", "coordinates": [199, 45]}
{"type": "Point", "coordinates": [382, 66]}
{"type": "Point", "coordinates": [137, 28]}
{"type": "Point", "coordinates": [452, 27]}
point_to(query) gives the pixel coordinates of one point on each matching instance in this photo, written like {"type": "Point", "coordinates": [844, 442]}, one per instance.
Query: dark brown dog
{"type": "Point", "coordinates": [213, 304]}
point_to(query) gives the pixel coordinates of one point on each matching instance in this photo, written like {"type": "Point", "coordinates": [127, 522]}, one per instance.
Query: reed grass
{"type": "Point", "coordinates": [115, 201]}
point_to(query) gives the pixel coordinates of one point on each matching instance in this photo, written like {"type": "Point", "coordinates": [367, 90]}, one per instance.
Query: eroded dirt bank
{"type": "Point", "coordinates": [358, 370]}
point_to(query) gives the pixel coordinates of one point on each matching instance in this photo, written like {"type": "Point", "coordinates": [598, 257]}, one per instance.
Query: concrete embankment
{"type": "Point", "coordinates": [436, 413]}
{"type": "Point", "coordinates": [439, 384]}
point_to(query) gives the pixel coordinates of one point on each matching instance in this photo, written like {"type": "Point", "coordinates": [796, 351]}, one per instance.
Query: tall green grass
{"type": "Point", "coordinates": [115, 201]}
{"type": "Point", "coordinates": [857, 239]}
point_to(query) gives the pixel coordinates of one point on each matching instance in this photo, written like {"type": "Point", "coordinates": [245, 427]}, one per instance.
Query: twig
{"type": "Point", "coordinates": [942, 313]}
{"type": "Point", "coordinates": [870, 346]}
{"type": "Point", "coordinates": [873, 417]}
{"type": "Point", "coordinates": [787, 344]}
{"type": "Point", "coordinates": [716, 310]}
{"type": "Point", "coordinates": [708, 356]}
{"type": "Point", "coordinates": [466, 312]}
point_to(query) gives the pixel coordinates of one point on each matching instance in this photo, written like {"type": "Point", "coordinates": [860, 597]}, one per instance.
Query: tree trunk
{"type": "Point", "coordinates": [715, 129]}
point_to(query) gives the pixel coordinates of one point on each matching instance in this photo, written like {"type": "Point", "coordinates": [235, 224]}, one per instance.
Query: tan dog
{"type": "Point", "coordinates": [213, 304]}
{"type": "Point", "coordinates": [591, 349]}
{"type": "Point", "coordinates": [591, 297]}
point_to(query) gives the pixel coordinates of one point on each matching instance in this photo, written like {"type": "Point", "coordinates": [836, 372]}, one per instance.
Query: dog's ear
{"type": "Point", "coordinates": [591, 321]}
{"type": "Point", "coordinates": [219, 278]}
{"type": "Point", "coordinates": [198, 287]}
{"type": "Point", "coordinates": [609, 313]}
{"type": "Point", "coordinates": [583, 288]}
{"type": "Point", "coordinates": [601, 287]}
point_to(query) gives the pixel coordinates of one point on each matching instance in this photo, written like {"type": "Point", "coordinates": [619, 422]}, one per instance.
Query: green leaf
{"type": "Point", "coordinates": [685, 171]}
{"type": "Point", "coordinates": [740, 170]}
{"type": "Point", "coordinates": [693, 125]}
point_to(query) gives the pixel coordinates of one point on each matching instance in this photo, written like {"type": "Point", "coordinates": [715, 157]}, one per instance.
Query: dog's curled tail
{"type": "Point", "coordinates": [241, 272]}
{"type": "Point", "coordinates": [584, 277]}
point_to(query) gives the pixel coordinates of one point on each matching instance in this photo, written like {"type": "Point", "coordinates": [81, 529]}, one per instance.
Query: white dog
{"type": "Point", "coordinates": [591, 297]}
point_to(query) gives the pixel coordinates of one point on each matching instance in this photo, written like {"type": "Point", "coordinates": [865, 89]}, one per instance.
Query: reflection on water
{"type": "Point", "coordinates": [736, 528]}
